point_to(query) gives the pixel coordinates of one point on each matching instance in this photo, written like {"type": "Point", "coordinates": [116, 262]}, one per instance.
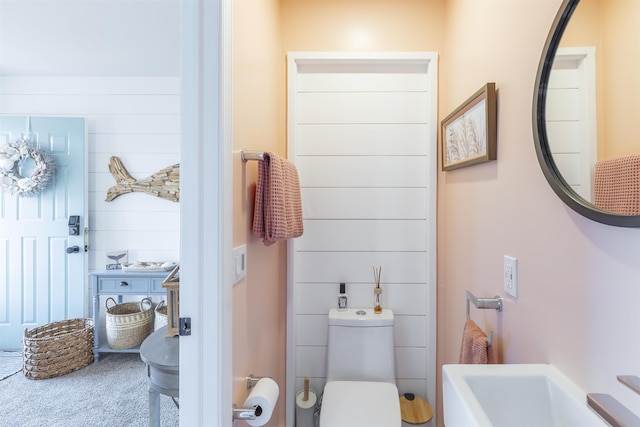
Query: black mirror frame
{"type": "Point", "coordinates": [549, 168]}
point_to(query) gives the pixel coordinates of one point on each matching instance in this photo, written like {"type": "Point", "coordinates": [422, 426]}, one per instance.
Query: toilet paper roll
{"type": "Point", "coordinates": [263, 397]}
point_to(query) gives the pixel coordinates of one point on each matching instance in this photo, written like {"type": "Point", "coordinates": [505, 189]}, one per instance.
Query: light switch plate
{"type": "Point", "coordinates": [239, 263]}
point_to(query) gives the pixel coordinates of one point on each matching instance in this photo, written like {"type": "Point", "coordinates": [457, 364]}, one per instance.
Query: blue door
{"type": "Point", "coordinates": [43, 270]}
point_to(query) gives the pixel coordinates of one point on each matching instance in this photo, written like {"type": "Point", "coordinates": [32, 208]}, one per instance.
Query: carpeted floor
{"type": "Point", "coordinates": [10, 363]}
{"type": "Point", "coordinates": [112, 392]}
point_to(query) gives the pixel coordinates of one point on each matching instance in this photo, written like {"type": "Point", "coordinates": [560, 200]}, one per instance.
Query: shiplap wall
{"type": "Point", "coordinates": [362, 135]}
{"type": "Point", "coordinates": [134, 118]}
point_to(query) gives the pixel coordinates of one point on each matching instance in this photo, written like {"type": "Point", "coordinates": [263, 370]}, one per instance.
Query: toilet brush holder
{"type": "Point", "coordinates": [305, 406]}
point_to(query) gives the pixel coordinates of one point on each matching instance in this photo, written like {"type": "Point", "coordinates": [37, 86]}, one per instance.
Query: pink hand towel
{"type": "Point", "coordinates": [277, 213]}
{"type": "Point", "coordinates": [617, 185]}
{"type": "Point", "coordinates": [474, 349]}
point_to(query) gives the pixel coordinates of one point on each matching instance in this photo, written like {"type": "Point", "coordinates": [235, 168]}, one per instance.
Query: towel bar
{"type": "Point", "coordinates": [247, 155]}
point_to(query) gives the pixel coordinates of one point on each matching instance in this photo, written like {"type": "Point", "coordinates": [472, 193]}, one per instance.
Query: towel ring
{"type": "Point", "coordinates": [494, 303]}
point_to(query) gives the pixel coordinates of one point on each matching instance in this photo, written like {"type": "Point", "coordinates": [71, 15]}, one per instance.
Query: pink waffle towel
{"type": "Point", "coordinates": [474, 348]}
{"type": "Point", "coordinates": [278, 207]}
{"type": "Point", "coordinates": [617, 185]}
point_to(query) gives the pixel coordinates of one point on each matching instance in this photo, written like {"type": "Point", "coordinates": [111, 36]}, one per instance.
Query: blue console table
{"type": "Point", "coordinates": [118, 283]}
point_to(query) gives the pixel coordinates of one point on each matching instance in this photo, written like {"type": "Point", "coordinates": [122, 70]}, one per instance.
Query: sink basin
{"type": "Point", "coordinates": [513, 395]}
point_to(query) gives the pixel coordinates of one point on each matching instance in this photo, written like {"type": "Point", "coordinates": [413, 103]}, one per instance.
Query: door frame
{"type": "Point", "coordinates": [206, 212]}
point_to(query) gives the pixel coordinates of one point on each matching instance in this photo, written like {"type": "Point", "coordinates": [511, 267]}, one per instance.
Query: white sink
{"type": "Point", "coordinates": [513, 395]}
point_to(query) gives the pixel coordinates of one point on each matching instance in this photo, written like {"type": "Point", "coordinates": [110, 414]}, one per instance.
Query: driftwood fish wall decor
{"type": "Point", "coordinates": [164, 183]}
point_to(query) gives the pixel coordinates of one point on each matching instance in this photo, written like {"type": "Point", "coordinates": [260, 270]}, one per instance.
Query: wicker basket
{"type": "Point", "coordinates": [129, 323]}
{"type": "Point", "coordinates": [57, 348]}
{"type": "Point", "coordinates": [161, 316]}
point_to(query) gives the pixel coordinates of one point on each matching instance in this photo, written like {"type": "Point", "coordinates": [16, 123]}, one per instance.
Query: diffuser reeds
{"type": "Point", "coordinates": [377, 291]}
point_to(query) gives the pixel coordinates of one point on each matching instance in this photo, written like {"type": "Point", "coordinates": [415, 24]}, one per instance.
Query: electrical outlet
{"type": "Point", "coordinates": [511, 276]}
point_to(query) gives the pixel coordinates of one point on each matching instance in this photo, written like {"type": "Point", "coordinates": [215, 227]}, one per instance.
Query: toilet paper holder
{"type": "Point", "coordinates": [252, 380]}
{"type": "Point", "coordinates": [248, 413]}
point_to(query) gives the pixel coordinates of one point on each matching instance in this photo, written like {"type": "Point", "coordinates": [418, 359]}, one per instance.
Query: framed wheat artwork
{"type": "Point", "coordinates": [469, 134]}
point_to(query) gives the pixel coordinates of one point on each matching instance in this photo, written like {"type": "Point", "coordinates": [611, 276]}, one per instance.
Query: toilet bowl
{"type": "Point", "coordinates": [360, 389]}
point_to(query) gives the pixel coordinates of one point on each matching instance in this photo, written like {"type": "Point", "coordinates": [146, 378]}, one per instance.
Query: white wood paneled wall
{"type": "Point", "coordinates": [134, 118]}
{"type": "Point", "coordinates": [362, 133]}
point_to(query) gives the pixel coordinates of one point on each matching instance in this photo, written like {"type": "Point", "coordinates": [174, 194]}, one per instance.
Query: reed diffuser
{"type": "Point", "coordinates": [377, 291]}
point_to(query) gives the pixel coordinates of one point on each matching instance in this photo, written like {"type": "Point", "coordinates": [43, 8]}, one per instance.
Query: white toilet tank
{"type": "Point", "coordinates": [361, 346]}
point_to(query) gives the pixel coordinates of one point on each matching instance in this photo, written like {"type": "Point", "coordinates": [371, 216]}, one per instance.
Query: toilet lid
{"type": "Point", "coordinates": [360, 404]}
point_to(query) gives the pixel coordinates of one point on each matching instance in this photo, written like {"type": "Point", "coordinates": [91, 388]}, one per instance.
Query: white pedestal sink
{"type": "Point", "coordinates": [513, 395]}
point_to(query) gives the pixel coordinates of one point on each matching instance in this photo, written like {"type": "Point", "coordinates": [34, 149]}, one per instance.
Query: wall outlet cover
{"type": "Point", "coordinates": [511, 276]}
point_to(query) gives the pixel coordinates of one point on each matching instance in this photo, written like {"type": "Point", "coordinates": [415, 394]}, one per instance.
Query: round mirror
{"type": "Point", "coordinates": [584, 106]}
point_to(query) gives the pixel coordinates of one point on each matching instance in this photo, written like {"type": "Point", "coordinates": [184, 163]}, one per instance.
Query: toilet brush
{"type": "Point", "coordinates": [305, 406]}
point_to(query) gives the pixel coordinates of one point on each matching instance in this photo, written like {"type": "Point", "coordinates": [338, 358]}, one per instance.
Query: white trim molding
{"type": "Point", "coordinates": [205, 356]}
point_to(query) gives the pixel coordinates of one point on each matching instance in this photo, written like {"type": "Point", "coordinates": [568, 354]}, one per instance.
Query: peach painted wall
{"type": "Point", "coordinates": [579, 281]}
{"type": "Point", "coordinates": [612, 28]}
{"type": "Point", "coordinates": [621, 45]}
{"type": "Point", "coordinates": [259, 301]}
{"type": "Point", "coordinates": [362, 25]}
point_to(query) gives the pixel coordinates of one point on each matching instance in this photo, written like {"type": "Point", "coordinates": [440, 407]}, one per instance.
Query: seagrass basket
{"type": "Point", "coordinates": [57, 348]}
{"type": "Point", "coordinates": [161, 316]}
{"type": "Point", "coordinates": [129, 323]}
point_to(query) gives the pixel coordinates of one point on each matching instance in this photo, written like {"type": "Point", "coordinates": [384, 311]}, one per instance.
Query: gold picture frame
{"type": "Point", "coordinates": [469, 134]}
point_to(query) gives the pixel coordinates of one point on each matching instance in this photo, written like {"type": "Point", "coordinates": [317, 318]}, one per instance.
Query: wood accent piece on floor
{"type": "Point", "coordinates": [416, 411]}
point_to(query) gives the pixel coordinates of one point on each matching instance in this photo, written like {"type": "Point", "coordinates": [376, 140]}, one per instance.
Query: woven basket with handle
{"type": "Point", "coordinates": [161, 316]}
{"type": "Point", "coordinates": [57, 348]}
{"type": "Point", "coordinates": [129, 323]}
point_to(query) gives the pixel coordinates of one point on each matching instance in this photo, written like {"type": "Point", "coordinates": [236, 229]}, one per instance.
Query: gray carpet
{"type": "Point", "coordinates": [112, 392]}
{"type": "Point", "coordinates": [10, 363]}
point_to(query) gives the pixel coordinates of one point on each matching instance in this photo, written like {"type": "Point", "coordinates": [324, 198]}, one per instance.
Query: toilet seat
{"type": "Point", "coordinates": [360, 404]}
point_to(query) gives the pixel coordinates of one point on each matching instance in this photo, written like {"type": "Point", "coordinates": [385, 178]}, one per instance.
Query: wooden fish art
{"type": "Point", "coordinates": [164, 183]}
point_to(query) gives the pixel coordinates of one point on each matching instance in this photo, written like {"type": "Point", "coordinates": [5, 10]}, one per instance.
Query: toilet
{"type": "Point", "coordinates": [361, 380]}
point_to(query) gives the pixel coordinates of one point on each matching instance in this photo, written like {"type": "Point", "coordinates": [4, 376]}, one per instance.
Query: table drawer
{"type": "Point", "coordinates": [125, 285]}
{"type": "Point", "coordinates": [156, 284]}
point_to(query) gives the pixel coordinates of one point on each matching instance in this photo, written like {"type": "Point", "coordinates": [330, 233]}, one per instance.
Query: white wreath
{"type": "Point", "coordinates": [11, 156]}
